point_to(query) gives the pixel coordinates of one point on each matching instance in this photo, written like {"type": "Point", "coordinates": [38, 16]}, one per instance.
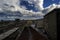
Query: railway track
{"type": "Point", "coordinates": [31, 34]}
{"type": "Point", "coordinates": [27, 34]}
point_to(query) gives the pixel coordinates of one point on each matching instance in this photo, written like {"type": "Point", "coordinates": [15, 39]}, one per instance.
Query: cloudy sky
{"type": "Point", "coordinates": [26, 9]}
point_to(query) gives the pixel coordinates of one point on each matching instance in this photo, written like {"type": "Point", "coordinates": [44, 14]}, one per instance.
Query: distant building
{"type": "Point", "coordinates": [33, 25]}
{"type": "Point", "coordinates": [51, 23]}
{"type": "Point", "coordinates": [40, 23]}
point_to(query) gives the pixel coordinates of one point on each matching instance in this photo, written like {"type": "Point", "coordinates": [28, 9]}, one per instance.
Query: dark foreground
{"type": "Point", "coordinates": [27, 34]}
